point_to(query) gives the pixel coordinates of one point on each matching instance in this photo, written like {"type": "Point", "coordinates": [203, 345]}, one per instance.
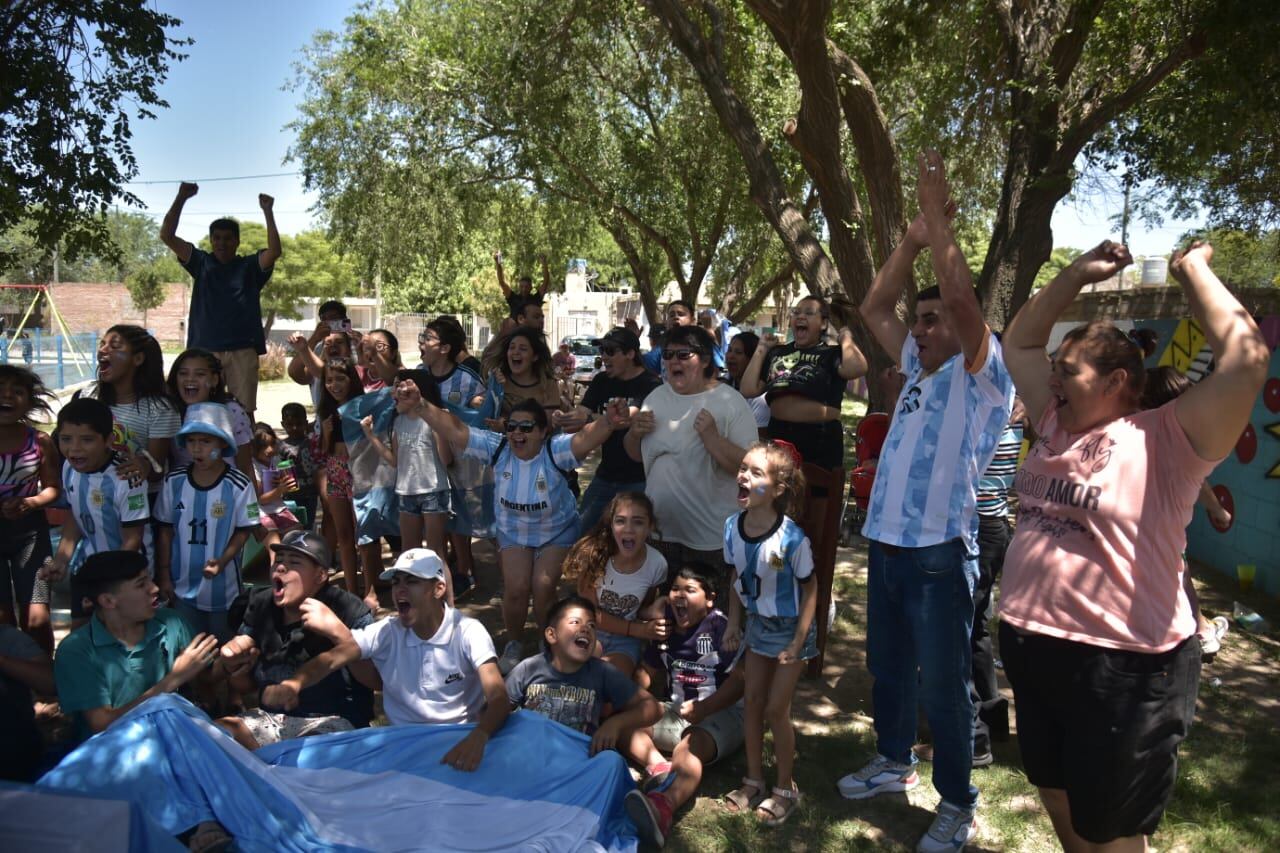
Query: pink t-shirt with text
{"type": "Point", "coordinates": [1102, 518]}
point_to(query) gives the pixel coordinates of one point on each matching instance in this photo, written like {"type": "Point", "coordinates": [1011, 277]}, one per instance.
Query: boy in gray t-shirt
{"type": "Point", "coordinates": [567, 684]}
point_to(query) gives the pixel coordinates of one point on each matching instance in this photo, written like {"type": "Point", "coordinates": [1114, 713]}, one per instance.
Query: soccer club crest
{"type": "Point", "coordinates": [218, 510]}
{"type": "Point", "coordinates": [96, 497]}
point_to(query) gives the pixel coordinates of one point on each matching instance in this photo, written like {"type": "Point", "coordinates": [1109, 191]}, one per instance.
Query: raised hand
{"type": "Point", "coordinates": [366, 424]}
{"type": "Point", "coordinates": [768, 341]}
{"type": "Point", "coordinates": [931, 188]}
{"type": "Point", "coordinates": [265, 202]}
{"type": "Point", "coordinates": [1102, 261]}
{"type": "Point", "coordinates": [186, 190]}
{"type": "Point", "coordinates": [619, 413]}
{"type": "Point", "coordinates": [643, 423]}
{"type": "Point", "coordinates": [1198, 252]}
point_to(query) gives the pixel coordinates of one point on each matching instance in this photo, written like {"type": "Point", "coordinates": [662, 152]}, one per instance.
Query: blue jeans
{"type": "Point", "coordinates": [919, 618]}
{"type": "Point", "coordinates": [597, 496]}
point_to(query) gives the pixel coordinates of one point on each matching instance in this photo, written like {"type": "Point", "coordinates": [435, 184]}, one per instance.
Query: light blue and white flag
{"type": "Point", "coordinates": [370, 789]}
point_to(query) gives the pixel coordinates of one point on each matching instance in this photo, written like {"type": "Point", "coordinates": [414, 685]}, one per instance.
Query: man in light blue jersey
{"type": "Point", "coordinates": [107, 512]}
{"type": "Point", "coordinates": [921, 521]}
{"type": "Point", "coordinates": [207, 511]}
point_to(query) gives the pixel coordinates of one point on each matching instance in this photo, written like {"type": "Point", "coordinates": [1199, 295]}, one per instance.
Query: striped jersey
{"type": "Point", "coordinates": [203, 522]}
{"type": "Point", "coordinates": [768, 568]}
{"type": "Point", "coordinates": [103, 506]}
{"type": "Point", "coordinates": [460, 386]}
{"type": "Point", "coordinates": [993, 485]}
{"type": "Point", "coordinates": [942, 437]}
{"type": "Point", "coordinates": [532, 500]}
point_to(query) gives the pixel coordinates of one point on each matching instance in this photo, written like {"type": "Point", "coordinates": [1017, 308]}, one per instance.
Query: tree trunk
{"type": "Point", "coordinates": [270, 321]}
{"type": "Point", "coordinates": [768, 192]}
{"type": "Point", "coordinates": [640, 269]}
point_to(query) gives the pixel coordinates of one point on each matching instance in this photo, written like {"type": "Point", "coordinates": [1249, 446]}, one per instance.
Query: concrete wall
{"type": "Point", "coordinates": [89, 307]}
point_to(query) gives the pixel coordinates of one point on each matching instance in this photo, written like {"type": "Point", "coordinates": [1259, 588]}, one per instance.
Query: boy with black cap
{"type": "Point", "coordinates": [130, 650]}
{"type": "Point", "coordinates": [624, 377]}
{"type": "Point", "coordinates": [206, 510]}
{"type": "Point", "coordinates": [437, 666]}
{"type": "Point", "coordinates": [286, 624]}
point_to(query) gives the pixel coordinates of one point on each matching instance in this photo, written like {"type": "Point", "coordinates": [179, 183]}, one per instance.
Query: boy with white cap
{"type": "Point", "coordinates": [437, 666]}
{"type": "Point", "coordinates": [206, 512]}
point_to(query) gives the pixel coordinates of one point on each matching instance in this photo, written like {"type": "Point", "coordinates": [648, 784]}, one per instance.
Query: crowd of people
{"type": "Point", "coordinates": [692, 603]}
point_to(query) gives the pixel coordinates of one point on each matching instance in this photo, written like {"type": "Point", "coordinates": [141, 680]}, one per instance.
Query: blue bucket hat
{"type": "Point", "coordinates": [209, 419]}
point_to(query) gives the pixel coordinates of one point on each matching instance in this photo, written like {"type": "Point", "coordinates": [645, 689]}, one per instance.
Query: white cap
{"type": "Point", "coordinates": [419, 562]}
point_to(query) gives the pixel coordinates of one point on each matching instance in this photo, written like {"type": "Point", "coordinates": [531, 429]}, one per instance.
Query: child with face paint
{"type": "Point", "coordinates": [773, 582]}
{"type": "Point", "coordinates": [131, 382]}
{"type": "Point", "coordinates": [207, 510]}
{"type": "Point", "coordinates": [196, 377]}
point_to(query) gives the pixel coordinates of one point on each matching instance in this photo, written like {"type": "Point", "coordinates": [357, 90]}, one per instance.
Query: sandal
{"type": "Point", "coordinates": [775, 810]}
{"type": "Point", "coordinates": [739, 800]}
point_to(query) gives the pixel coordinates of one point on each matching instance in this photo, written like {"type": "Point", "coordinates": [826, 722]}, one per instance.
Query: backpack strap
{"type": "Point", "coordinates": [502, 445]}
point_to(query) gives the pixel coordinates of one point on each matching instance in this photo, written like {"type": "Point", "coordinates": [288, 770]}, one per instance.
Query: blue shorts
{"type": "Point", "coordinates": [565, 538]}
{"type": "Point", "coordinates": [769, 635]}
{"type": "Point", "coordinates": [427, 503]}
{"type": "Point", "coordinates": [621, 644]}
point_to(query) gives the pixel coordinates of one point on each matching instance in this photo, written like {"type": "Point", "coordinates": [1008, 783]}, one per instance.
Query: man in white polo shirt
{"type": "Point", "coordinates": [437, 666]}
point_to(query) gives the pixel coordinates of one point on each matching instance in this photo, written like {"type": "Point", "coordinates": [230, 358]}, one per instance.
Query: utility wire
{"type": "Point", "coordinates": [214, 180]}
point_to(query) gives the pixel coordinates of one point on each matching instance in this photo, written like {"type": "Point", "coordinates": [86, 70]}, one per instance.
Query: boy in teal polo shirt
{"type": "Point", "coordinates": [130, 650]}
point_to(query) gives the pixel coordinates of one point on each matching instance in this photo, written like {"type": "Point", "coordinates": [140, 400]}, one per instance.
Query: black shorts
{"type": "Point", "coordinates": [820, 444]}
{"type": "Point", "coordinates": [24, 546]}
{"type": "Point", "coordinates": [1103, 725]}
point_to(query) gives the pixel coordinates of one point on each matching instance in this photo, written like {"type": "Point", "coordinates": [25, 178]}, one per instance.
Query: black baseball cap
{"type": "Point", "coordinates": [306, 543]}
{"type": "Point", "coordinates": [620, 337]}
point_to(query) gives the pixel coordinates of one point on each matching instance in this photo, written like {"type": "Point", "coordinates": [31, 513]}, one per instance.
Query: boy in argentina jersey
{"type": "Point", "coordinates": [107, 513]}
{"type": "Point", "coordinates": [207, 511]}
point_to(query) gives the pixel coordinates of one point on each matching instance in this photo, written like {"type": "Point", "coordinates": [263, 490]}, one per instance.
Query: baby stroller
{"type": "Point", "coordinates": [868, 439]}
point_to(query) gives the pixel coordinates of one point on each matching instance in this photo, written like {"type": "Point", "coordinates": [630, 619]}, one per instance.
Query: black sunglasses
{"type": "Point", "coordinates": [679, 354]}
{"type": "Point", "coordinates": [525, 427]}
{"type": "Point", "coordinates": [609, 351]}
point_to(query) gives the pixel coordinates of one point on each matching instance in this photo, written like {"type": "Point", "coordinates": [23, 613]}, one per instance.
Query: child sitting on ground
{"type": "Point", "coordinates": [703, 719]}
{"type": "Point", "coordinates": [568, 684]}
{"type": "Point", "coordinates": [618, 572]}
{"type": "Point", "coordinates": [207, 511]}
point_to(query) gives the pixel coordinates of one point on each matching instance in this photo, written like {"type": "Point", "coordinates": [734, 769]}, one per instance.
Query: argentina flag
{"type": "Point", "coordinates": [537, 788]}
{"type": "Point", "coordinates": [373, 479]}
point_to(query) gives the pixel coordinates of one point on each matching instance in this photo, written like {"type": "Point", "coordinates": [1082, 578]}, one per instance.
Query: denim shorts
{"type": "Point", "coordinates": [620, 644]}
{"type": "Point", "coordinates": [428, 503]}
{"type": "Point", "coordinates": [769, 635]}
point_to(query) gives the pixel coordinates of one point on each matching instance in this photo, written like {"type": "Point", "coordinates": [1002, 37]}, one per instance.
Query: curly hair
{"type": "Point", "coordinates": [587, 559]}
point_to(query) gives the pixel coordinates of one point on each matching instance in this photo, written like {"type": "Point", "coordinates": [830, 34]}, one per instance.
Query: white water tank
{"type": "Point", "coordinates": [1155, 272]}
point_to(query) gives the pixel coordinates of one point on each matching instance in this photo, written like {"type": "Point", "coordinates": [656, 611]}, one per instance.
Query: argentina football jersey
{"type": "Point", "coordinates": [768, 566]}
{"type": "Point", "coordinates": [203, 521]}
{"type": "Point", "coordinates": [103, 506]}
{"type": "Point", "coordinates": [533, 501]}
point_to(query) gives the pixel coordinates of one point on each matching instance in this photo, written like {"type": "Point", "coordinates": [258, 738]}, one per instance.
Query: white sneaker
{"type": "Point", "coordinates": [512, 654]}
{"type": "Point", "coordinates": [879, 776]}
{"type": "Point", "coordinates": [952, 829]}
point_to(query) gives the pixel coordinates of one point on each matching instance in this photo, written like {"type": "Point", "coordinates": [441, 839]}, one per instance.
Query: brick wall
{"type": "Point", "coordinates": [91, 307]}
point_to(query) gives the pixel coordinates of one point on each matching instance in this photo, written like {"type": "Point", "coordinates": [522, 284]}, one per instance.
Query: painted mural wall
{"type": "Point", "coordinates": [1248, 480]}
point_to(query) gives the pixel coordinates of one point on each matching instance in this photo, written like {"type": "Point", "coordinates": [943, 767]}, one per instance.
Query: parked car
{"type": "Point", "coordinates": [586, 356]}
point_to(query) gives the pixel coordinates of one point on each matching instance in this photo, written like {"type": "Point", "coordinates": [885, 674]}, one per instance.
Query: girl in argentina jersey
{"type": "Point", "coordinates": [773, 579]}
{"type": "Point", "coordinates": [536, 513]}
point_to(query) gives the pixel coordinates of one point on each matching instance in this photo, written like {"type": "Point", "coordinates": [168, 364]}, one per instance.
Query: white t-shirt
{"type": "Point", "coordinates": [622, 594]}
{"type": "Point", "coordinates": [418, 466]}
{"type": "Point", "coordinates": [692, 495]}
{"type": "Point", "coordinates": [429, 681]}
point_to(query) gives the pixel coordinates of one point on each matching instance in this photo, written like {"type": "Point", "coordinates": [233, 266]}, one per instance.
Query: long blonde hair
{"type": "Point", "coordinates": [587, 559]}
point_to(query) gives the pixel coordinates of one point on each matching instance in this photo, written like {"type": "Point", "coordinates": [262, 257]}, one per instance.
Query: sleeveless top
{"type": "Point", "coordinates": [20, 470]}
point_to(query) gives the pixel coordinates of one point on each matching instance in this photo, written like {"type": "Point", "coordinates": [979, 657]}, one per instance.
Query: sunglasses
{"type": "Point", "coordinates": [423, 337]}
{"type": "Point", "coordinates": [609, 351]}
{"type": "Point", "coordinates": [679, 354]}
{"type": "Point", "coordinates": [525, 427]}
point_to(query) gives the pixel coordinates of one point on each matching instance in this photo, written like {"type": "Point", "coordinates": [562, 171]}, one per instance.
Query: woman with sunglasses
{"type": "Point", "coordinates": [691, 434]}
{"type": "Point", "coordinates": [536, 513]}
{"type": "Point", "coordinates": [381, 359]}
{"type": "Point", "coordinates": [804, 382]}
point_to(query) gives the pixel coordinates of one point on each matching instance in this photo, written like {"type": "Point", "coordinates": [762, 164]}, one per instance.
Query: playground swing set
{"type": "Point", "coordinates": [81, 357]}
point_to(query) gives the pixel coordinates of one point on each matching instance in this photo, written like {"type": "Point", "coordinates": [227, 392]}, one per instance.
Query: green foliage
{"type": "Point", "coordinates": [146, 289]}
{"type": "Point", "coordinates": [1241, 258]}
{"type": "Point", "coordinates": [1059, 260]}
{"type": "Point", "coordinates": [76, 73]}
{"type": "Point", "coordinates": [135, 244]}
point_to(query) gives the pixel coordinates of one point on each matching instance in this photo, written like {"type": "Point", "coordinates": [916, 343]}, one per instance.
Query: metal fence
{"type": "Point", "coordinates": [58, 359]}
{"type": "Point", "coordinates": [407, 327]}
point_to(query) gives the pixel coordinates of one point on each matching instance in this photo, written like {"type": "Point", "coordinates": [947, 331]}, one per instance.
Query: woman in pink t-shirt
{"type": "Point", "coordinates": [1096, 632]}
